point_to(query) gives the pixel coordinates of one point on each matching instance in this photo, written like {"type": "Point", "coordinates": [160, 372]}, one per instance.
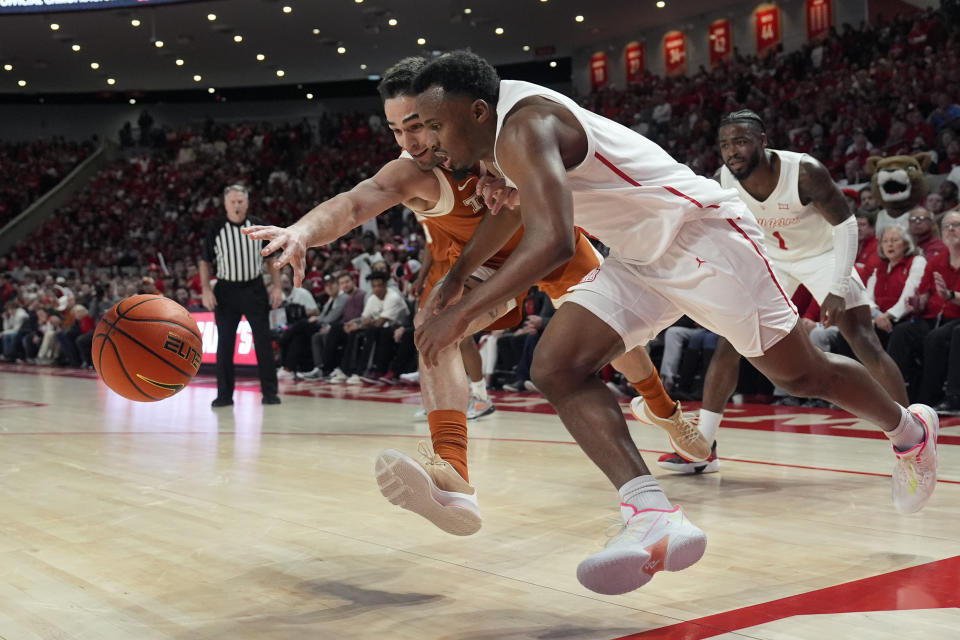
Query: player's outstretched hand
{"type": "Point", "coordinates": [496, 194]}
{"type": "Point", "coordinates": [833, 305]}
{"type": "Point", "coordinates": [289, 241]}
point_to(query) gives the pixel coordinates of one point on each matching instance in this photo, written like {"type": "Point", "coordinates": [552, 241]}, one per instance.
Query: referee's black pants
{"type": "Point", "coordinates": [236, 299]}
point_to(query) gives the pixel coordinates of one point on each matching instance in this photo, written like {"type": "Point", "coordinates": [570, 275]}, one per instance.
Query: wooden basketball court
{"type": "Point", "coordinates": [169, 520]}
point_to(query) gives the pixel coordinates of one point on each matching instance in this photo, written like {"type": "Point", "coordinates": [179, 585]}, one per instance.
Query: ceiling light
{"type": "Point", "coordinates": [197, 78]}
{"type": "Point", "coordinates": [134, 23]}
{"type": "Point", "coordinates": [280, 73]}
{"type": "Point", "coordinates": [309, 96]}
{"type": "Point", "coordinates": [238, 38]}
{"type": "Point", "coordinates": [553, 64]}
{"type": "Point", "coordinates": [8, 67]}
{"type": "Point", "coordinates": [75, 47]}
{"type": "Point", "coordinates": [287, 9]}
{"type": "Point", "coordinates": [498, 31]}
{"type": "Point", "coordinates": [111, 81]}
{"type": "Point", "coordinates": [661, 4]}
{"type": "Point", "coordinates": [94, 65]}
{"type": "Point", "coordinates": [132, 101]}
{"type": "Point", "coordinates": [211, 17]}
{"type": "Point", "coordinates": [341, 50]}
{"type": "Point", "coordinates": [261, 57]}
{"type": "Point", "coordinates": [526, 47]}
{"type": "Point", "coordinates": [316, 31]}
{"type": "Point", "coordinates": [178, 62]}
{"type": "Point", "coordinates": [421, 41]}
{"type": "Point", "coordinates": [54, 26]}
{"type": "Point", "coordinates": [358, 1]}
{"type": "Point", "coordinates": [158, 44]}
{"type": "Point", "coordinates": [579, 18]}
{"type": "Point", "coordinates": [468, 10]}
{"type": "Point", "coordinates": [392, 22]}
{"type": "Point", "coordinates": [22, 83]}
{"type": "Point", "coordinates": [211, 90]}
{"type": "Point", "coordinates": [363, 67]}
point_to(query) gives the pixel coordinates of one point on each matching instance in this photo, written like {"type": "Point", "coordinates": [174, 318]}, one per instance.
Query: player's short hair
{"type": "Point", "coordinates": [743, 116]}
{"type": "Point", "coordinates": [397, 80]}
{"type": "Point", "coordinates": [460, 73]}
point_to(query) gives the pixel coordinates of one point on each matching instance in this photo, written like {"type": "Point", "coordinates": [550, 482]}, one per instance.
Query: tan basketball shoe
{"type": "Point", "coordinates": [432, 489]}
{"type": "Point", "coordinates": [685, 437]}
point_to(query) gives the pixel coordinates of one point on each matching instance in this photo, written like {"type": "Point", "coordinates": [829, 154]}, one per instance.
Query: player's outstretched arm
{"type": "Point", "coordinates": [399, 180]}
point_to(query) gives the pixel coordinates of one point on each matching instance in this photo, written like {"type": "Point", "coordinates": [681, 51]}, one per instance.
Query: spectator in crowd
{"type": "Point", "coordinates": [868, 256]}
{"type": "Point", "coordinates": [299, 308]}
{"type": "Point", "coordinates": [924, 231]}
{"type": "Point", "coordinates": [892, 285]}
{"type": "Point", "coordinates": [331, 313]}
{"type": "Point", "coordinates": [337, 337]}
{"type": "Point", "coordinates": [383, 311]}
{"type": "Point", "coordinates": [364, 262]}
{"type": "Point", "coordinates": [516, 348]}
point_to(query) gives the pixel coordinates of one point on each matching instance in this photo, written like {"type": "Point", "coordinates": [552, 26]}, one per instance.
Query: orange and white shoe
{"type": "Point", "coordinates": [648, 541]}
{"type": "Point", "coordinates": [432, 489]}
{"type": "Point", "coordinates": [915, 476]}
{"type": "Point", "coordinates": [479, 408]}
{"type": "Point", "coordinates": [685, 436]}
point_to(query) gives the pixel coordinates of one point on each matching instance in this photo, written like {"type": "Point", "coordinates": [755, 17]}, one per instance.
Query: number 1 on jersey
{"type": "Point", "coordinates": [783, 245]}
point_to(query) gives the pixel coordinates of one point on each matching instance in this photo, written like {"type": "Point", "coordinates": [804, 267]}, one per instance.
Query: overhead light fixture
{"type": "Point", "coordinates": [75, 47]}
{"type": "Point", "coordinates": [363, 67]}
{"type": "Point", "coordinates": [309, 96]}
{"type": "Point", "coordinates": [498, 31]}
{"type": "Point", "coordinates": [178, 62]}
{"type": "Point", "coordinates": [316, 31]}
{"type": "Point", "coordinates": [197, 78]}
{"type": "Point", "coordinates": [8, 67]}
{"type": "Point", "coordinates": [135, 22]}
{"type": "Point", "coordinates": [553, 64]}
{"type": "Point", "coordinates": [341, 50]}
{"type": "Point", "coordinates": [94, 65]}
{"type": "Point", "coordinates": [158, 44]}
{"type": "Point", "coordinates": [468, 10]}
{"type": "Point", "coordinates": [281, 73]}
{"type": "Point", "coordinates": [261, 57]}
{"type": "Point", "coordinates": [22, 83]}
{"type": "Point", "coordinates": [579, 18]}
{"type": "Point", "coordinates": [211, 90]}
{"type": "Point", "coordinates": [392, 22]}
{"type": "Point", "coordinates": [287, 9]}
{"type": "Point", "coordinates": [111, 81]}
{"type": "Point", "coordinates": [526, 47]}
{"type": "Point", "coordinates": [421, 41]}
{"type": "Point", "coordinates": [132, 101]}
{"type": "Point", "coordinates": [54, 26]}
{"type": "Point", "coordinates": [661, 4]}
{"type": "Point", "coordinates": [238, 38]}
{"type": "Point", "coordinates": [211, 17]}
{"type": "Point", "coordinates": [358, 1]}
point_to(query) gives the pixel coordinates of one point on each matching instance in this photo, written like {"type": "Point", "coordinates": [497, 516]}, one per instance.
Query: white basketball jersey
{"type": "Point", "coordinates": [794, 231]}
{"type": "Point", "coordinates": [628, 192]}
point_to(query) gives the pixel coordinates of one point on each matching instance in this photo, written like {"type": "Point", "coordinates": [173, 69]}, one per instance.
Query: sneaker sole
{"type": "Point", "coordinates": [483, 413]}
{"type": "Point", "coordinates": [691, 468]}
{"type": "Point", "coordinates": [404, 483]}
{"type": "Point", "coordinates": [682, 452]}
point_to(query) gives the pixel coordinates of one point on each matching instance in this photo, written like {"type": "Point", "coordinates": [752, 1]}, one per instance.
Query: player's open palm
{"type": "Point", "coordinates": [289, 241]}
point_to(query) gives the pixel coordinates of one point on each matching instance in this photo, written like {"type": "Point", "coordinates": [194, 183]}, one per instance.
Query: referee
{"type": "Point", "coordinates": [239, 292]}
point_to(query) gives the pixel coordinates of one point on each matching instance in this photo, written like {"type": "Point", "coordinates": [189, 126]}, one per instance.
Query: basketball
{"type": "Point", "coordinates": [147, 348]}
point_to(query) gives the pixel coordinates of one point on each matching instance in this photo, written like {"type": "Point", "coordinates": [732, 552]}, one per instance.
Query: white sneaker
{"type": "Point", "coordinates": [314, 374]}
{"type": "Point", "coordinates": [529, 386]}
{"type": "Point", "coordinates": [421, 414]}
{"type": "Point", "coordinates": [337, 376]}
{"type": "Point", "coordinates": [479, 408]}
{"type": "Point", "coordinates": [685, 437]}
{"type": "Point", "coordinates": [648, 541]}
{"type": "Point", "coordinates": [432, 489]}
{"type": "Point", "coordinates": [411, 378]}
{"type": "Point", "coordinates": [354, 379]}
{"type": "Point", "coordinates": [285, 374]}
{"type": "Point", "coordinates": [915, 476]}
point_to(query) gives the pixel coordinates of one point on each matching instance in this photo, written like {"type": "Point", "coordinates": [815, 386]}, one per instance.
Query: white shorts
{"type": "Point", "coordinates": [715, 272]}
{"type": "Point", "coordinates": [816, 274]}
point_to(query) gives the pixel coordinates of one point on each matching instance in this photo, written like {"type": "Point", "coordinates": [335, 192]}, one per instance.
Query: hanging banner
{"type": "Point", "coordinates": [767, 20]}
{"type": "Point", "coordinates": [598, 70]}
{"type": "Point", "coordinates": [675, 53]}
{"type": "Point", "coordinates": [721, 42]}
{"type": "Point", "coordinates": [819, 18]}
{"type": "Point", "coordinates": [635, 63]}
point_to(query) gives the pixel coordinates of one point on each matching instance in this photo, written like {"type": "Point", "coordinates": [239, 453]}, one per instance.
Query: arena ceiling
{"type": "Point", "coordinates": [301, 43]}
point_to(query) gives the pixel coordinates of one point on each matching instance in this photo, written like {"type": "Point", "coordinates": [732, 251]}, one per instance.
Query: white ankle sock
{"type": "Point", "coordinates": [644, 492]}
{"type": "Point", "coordinates": [479, 390]}
{"type": "Point", "coordinates": [909, 432]}
{"type": "Point", "coordinates": [709, 424]}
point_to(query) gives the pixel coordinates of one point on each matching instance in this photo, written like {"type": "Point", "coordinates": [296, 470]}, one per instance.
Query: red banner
{"type": "Point", "coordinates": [675, 53]}
{"type": "Point", "coordinates": [721, 41]}
{"type": "Point", "coordinates": [819, 18]}
{"type": "Point", "coordinates": [243, 351]}
{"type": "Point", "coordinates": [767, 21]}
{"type": "Point", "coordinates": [635, 62]}
{"type": "Point", "coordinates": [598, 70]}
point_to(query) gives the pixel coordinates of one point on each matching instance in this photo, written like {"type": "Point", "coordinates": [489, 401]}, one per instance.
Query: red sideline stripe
{"type": "Point", "coordinates": [675, 192]}
{"type": "Point", "coordinates": [765, 261]}
{"type": "Point", "coordinates": [935, 585]}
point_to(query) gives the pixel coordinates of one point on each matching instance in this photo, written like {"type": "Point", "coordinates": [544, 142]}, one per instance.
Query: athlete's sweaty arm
{"type": "Point", "coordinates": [530, 150]}
{"type": "Point", "coordinates": [398, 181]}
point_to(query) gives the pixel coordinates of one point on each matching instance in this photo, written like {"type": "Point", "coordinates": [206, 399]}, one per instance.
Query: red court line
{"type": "Point", "coordinates": [935, 585]}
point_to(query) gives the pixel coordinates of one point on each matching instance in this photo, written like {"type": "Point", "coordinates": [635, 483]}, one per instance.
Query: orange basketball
{"type": "Point", "coordinates": [147, 348]}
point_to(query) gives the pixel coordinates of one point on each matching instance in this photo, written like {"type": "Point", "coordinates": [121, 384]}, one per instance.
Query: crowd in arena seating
{"type": "Point", "coordinates": [881, 89]}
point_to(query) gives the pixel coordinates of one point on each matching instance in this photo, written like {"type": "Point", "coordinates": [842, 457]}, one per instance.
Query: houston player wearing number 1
{"type": "Point", "coordinates": [680, 244]}
{"type": "Point", "coordinates": [811, 238]}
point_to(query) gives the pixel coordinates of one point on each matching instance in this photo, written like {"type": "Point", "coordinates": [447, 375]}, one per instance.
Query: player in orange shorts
{"type": "Point", "coordinates": [455, 216]}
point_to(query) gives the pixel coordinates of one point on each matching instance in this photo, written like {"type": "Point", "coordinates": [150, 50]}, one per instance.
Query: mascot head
{"type": "Point", "coordinates": [898, 181]}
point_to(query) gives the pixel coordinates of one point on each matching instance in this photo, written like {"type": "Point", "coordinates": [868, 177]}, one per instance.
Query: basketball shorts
{"type": "Point", "coordinates": [816, 274]}
{"type": "Point", "coordinates": [715, 271]}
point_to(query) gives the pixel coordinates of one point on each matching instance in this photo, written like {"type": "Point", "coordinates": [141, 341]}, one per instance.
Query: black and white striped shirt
{"type": "Point", "coordinates": [237, 256]}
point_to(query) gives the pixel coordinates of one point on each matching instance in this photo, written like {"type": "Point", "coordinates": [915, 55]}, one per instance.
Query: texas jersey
{"type": "Point", "coordinates": [794, 231]}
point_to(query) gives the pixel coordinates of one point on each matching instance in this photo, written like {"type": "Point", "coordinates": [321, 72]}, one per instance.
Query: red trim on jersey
{"type": "Point", "coordinates": [765, 261]}
{"type": "Point", "coordinates": [675, 192]}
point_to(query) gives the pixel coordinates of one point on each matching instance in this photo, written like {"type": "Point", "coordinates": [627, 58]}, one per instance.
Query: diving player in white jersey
{"type": "Point", "coordinates": [811, 239]}
{"type": "Point", "coordinates": [680, 244]}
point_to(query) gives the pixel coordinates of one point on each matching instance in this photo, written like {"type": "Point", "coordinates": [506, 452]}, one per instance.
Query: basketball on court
{"type": "Point", "coordinates": [147, 348]}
